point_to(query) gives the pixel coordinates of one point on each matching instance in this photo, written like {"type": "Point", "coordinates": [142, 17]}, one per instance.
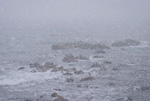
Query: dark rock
{"type": "Point", "coordinates": [49, 65]}
{"type": "Point", "coordinates": [79, 86]}
{"type": "Point", "coordinates": [21, 68]}
{"type": "Point", "coordinates": [81, 57]}
{"type": "Point", "coordinates": [145, 88]}
{"type": "Point", "coordinates": [61, 68]}
{"type": "Point", "coordinates": [33, 71]}
{"type": "Point", "coordinates": [107, 62]}
{"type": "Point", "coordinates": [115, 69]}
{"type": "Point", "coordinates": [54, 95]}
{"type": "Point", "coordinates": [79, 72]}
{"type": "Point", "coordinates": [57, 89]}
{"type": "Point", "coordinates": [80, 45]}
{"type": "Point", "coordinates": [87, 78]}
{"type": "Point", "coordinates": [100, 52]}
{"type": "Point", "coordinates": [34, 65]}
{"type": "Point", "coordinates": [69, 80]}
{"type": "Point", "coordinates": [96, 56]}
{"type": "Point", "coordinates": [111, 84]}
{"type": "Point", "coordinates": [69, 58]}
{"type": "Point", "coordinates": [54, 70]}
{"type": "Point", "coordinates": [41, 96]}
{"type": "Point", "coordinates": [67, 73]}
{"type": "Point", "coordinates": [127, 42]}
{"type": "Point", "coordinates": [27, 100]}
{"type": "Point", "coordinates": [59, 98]}
{"type": "Point", "coordinates": [96, 65]}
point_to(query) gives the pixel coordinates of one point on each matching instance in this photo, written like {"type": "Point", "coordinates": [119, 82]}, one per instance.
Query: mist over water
{"type": "Point", "coordinates": [110, 17]}
{"type": "Point", "coordinates": [29, 28]}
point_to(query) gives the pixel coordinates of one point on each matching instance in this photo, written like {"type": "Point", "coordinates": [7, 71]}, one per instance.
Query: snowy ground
{"type": "Point", "coordinates": [123, 74]}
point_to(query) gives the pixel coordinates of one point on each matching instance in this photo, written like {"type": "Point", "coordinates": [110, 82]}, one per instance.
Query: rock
{"type": "Point", "coordinates": [99, 52]}
{"type": "Point", "coordinates": [49, 65]}
{"type": "Point", "coordinates": [67, 73]}
{"type": "Point", "coordinates": [69, 58]}
{"type": "Point", "coordinates": [107, 62]}
{"type": "Point", "coordinates": [111, 84]}
{"type": "Point", "coordinates": [127, 42]}
{"type": "Point", "coordinates": [61, 68]}
{"type": "Point", "coordinates": [59, 98]}
{"type": "Point", "coordinates": [79, 72]}
{"type": "Point", "coordinates": [34, 65]}
{"type": "Point", "coordinates": [33, 71]}
{"type": "Point", "coordinates": [57, 89]}
{"type": "Point", "coordinates": [145, 88]}
{"type": "Point", "coordinates": [87, 78]}
{"type": "Point", "coordinates": [96, 56]}
{"type": "Point", "coordinates": [71, 69]}
{"type": "Point", "coordinates": [79, 86]}
{"type": "Point", "coordinates": [60, 46]}
{"type": "Point", "coordinates": [69, 80]}
{"type": "Point", "coordinates": [96, 65]}
{"type": "Point", "coordinates": [81, 57]}
{"type": "Point", "coordinates": [21, 68]}
{"type": "Point", "coordinates": [54, 70]}
{"type": "Point", "coordinates": [80, 45]}
{"type": "Point", "coordinates": [54, 95]}
{"type": "Point", "coordinates": [41, 96]}
{"type": "Point", "coordinates": [27, 100]}
{"type": "Point", "coordinates": [115, 69]}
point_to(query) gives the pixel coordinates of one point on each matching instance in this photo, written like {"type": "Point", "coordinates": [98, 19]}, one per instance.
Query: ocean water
{"type": "Point", "coordinates": [21, 47]}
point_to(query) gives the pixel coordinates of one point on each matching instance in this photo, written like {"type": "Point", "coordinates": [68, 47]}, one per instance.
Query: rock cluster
{"type": "Point", "coordinates": [58, 97]}
{"type": "Point", "coordinates": [87, 78]}
{"type": "Point", "coordinates": [80, 45]}
{"type": "Point", "coordinates": [70, 58]}
{"type": "Point", "coordinates": [42, 68]}
{"type": "Point", "coordinates": [127, 42]}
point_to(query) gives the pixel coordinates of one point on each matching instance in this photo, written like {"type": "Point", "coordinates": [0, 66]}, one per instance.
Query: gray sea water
{"type": "Point", "coordinates": [21, 47]}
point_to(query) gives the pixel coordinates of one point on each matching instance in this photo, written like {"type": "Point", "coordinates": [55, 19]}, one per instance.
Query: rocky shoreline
{"type": "Point", "coordinates": [101, 73]}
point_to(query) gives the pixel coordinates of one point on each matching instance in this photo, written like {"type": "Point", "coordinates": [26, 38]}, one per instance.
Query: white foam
{"type": "Point", "coordinates": [19, 77]}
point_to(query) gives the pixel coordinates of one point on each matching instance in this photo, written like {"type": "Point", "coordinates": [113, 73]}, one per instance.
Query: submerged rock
{"type": "Point", "coordinates": [96, 65]}
{"type": "Point", "coordinates": [100, 52]}
{"type": "Point", "coordinates": [54, 95]}
{"type": "Point", "coordinates": [69, 58]}
{"type": "Point", "coordinates": [80, 45]}
{"type": "Point", "coordinates": [79, 72]}
{"type": "Point", "coordinates": [34, 65]}
{"type": "Point", "coordinates": [42, 68]}
{"type": "Point", "coordinates": [127, 42]}
{"type": "Point", "coordinates": [96, 56]}
{"type": "Point", "coordinates": [107, 62]}
{"type": "Point", "coordinates": [69, 80]}
{"type": "Point", "coordinates": [81, 57]}
{"type": "Point", "coordinates": [47, 66]}
{"type": "Point", "coordinates": [87, 78]}
{"type": "Point", "coordinates": [60, 98]}
{"type": "Point", "coordinates": [27, 100]}
{"type": "Point", "coordinates": [21, 68]}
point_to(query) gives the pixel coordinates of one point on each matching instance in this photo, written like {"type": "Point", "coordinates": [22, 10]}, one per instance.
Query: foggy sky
{"type": "Point", "coordinates": [16, 14]}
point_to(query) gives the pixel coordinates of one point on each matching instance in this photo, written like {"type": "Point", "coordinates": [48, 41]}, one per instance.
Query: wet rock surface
{"type": "Point", "coordinates": [127, 42]}
{"type": "Point", "coordinates": [80, 45]}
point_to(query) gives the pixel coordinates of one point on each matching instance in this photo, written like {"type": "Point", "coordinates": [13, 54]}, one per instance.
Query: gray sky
{"type": "Point", "coordinates": [24, 14]}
